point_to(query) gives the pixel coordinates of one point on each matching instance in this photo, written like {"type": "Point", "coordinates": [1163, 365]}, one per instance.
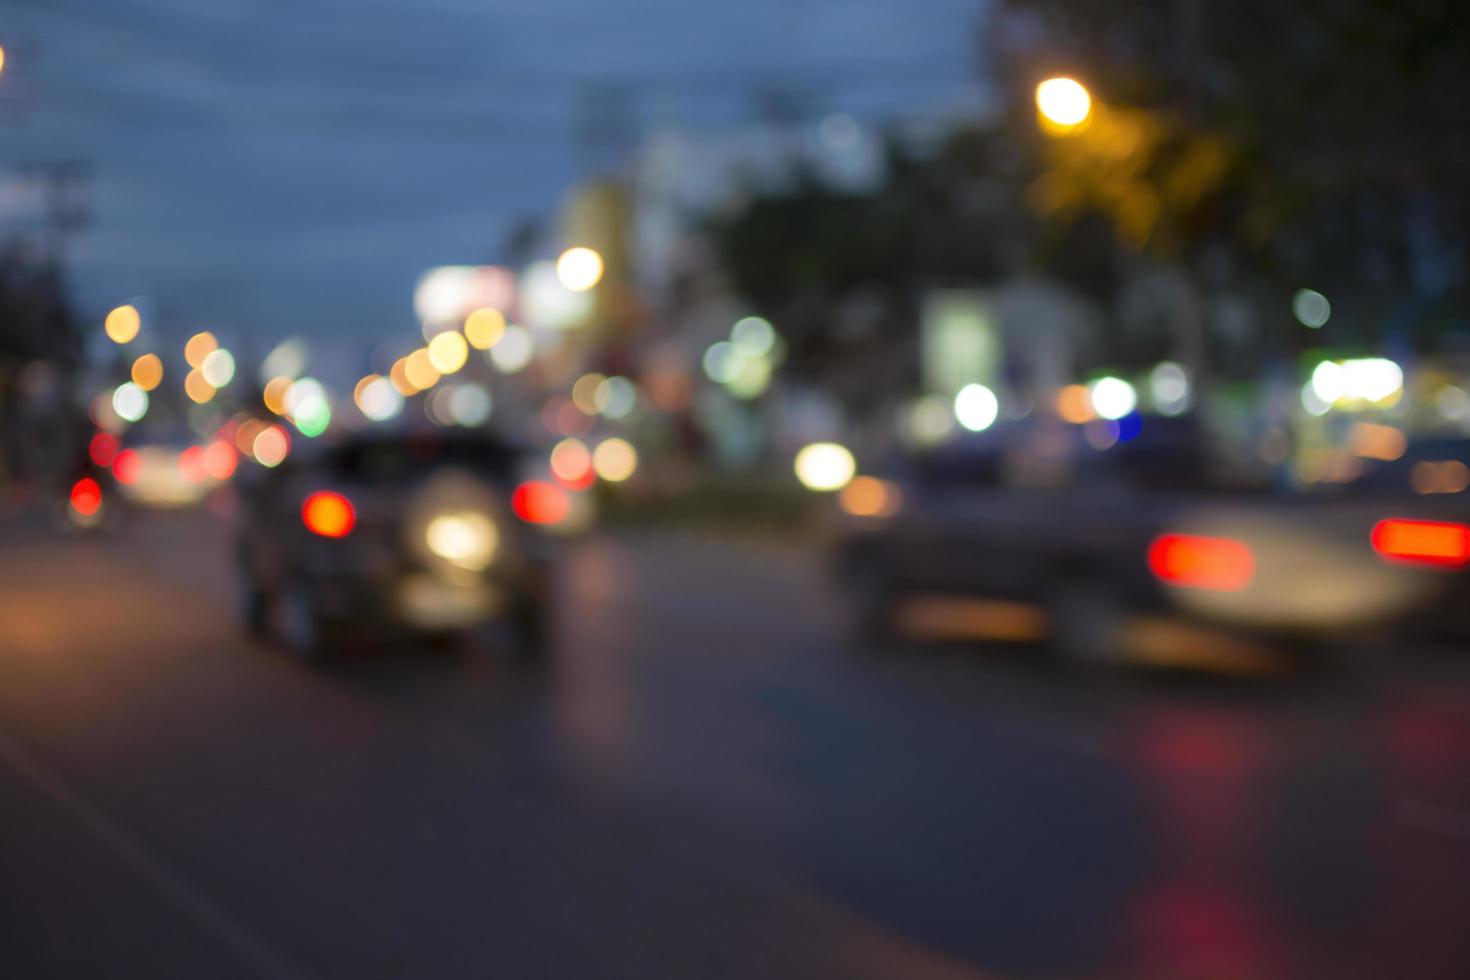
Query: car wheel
{"type": "Point", "coordinates": [254, 606]}
{"type": "Point", "coordinates": [1085, 624]}
{"type": "Point", "coordinates": [872, 599]}
{"type": "Point", "coordinates": [532, 629]}
{"type": "Point", "coordinates": [298, 626]}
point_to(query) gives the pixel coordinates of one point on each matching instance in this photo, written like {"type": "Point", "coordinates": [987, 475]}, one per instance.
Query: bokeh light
{"type": "Point", "coordinates": [448, 352]}
{"type": "Point", "coordinates": [539, 502]}
{"type": "Point", "coordinates": [328, 514]}
{"type": "Point", "coordinates": [584, 392]}
{"type": "Point", "coordinates": [220, 459]}
{"type": "Point", "coordinates": [615, 397]}
{"type": "Point", "coordinates": [1446, 476]}
{"type": "Point", "coordinates": [245, 436]}
{"type": "Point", "coordinates": [754, 336]}
{"type": "Point", "coordinates": [976, 407]}
{"type": "Point", "coordinates": [751, 379]}
{"type": "Point", "coordinates": [1373, 441]}
{"type": "Point", "coordinates": [579, 269]}
{"type": "Point", "coordinates": [1311, 308]}
{"type": "Point", "coordinates": [484, 327]}
{"type": "Point", "coordinates": [514, 351]}
{"type": "Point", "coordinates": [398, 376]}
{"type": "Point", "coordinates": [271, 446]}
{"type": "Point", "coordinates": [125, 468]}
{"type": "Point", "coordinates": [129, 401]}
{"type": "Point", "coordinates": [197, 387]}
{"type": "Point", "coordinates": [218, 367]}
{"type": "Point", "coordinates": [547, 304]}
{"type": "Point", "coordinates": [615, 460]}
{"type": "Point", "coordinates": [468, 405]}
{"type": "Point", "coordinates": [191, 464]}
{"type": "Point", "coordinates": [571, 463]}
{"type": "Point", "coordinates": [1170, 389]}
{"type": "Point", "coordinates": [825, 466]}
{"type": "Point", "coordinates": [102, 450]}
{"type": "Point", "coordinates": [1064, 102]}
{"type": "Point", "coordinates": [466, 539]}
{"type": "Point", "coordinates": [147, 372]}
{"type": "Point", "coordinates": [868, 496]}
{"type": "Point", "coordinates": [1328, 382]}
{"type": "Point", "coordinates": [378, 399]}
{"type": "Point", "coordinates": [930, 420]}
{"type": "Point", "coordinates": [420, 371]}
{"type": "Point", "coordinates": [122, 324]}
{"type": "Point", "coordinates": [274, 394]}
{"type": "Point", "coordinates": [1372, 379]}
{"type": "Point", "coordinates": [1074, 404]}
{"type": "Point", "coordinates": [1113, 398]}
{"type": "Point", "coordinates": [86, 497]}
{"type": "Point", "coordinates": [198, 347]}
{"type": "Point", "coordinates": [308, 407]}
{"type": "Point", "coordinates": [723, 361]}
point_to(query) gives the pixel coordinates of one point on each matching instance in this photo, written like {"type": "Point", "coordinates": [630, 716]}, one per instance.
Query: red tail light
{"type": "Point", "coordinates": [191, 464]}
{"type": "Point", "coordinates": [1423, 542]}
{"type": "Point", "coordinates": [86, 496]}
{"type": "Point", "coordinates": [328, 514]}
{"type": "Point", "coordinates": [103, 449]}
{"type": "Point", "coordinates": [125, 466]}
{"type": "Point", "coordinates": [219, 459]}
{"type": "Point", "coordinates": [1219, 564]}
{"type": "Point", "coordinates": [538, 502]}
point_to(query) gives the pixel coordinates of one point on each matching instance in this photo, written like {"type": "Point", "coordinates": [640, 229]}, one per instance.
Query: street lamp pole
{"type": "Point", "coordinates": [1064, 107]}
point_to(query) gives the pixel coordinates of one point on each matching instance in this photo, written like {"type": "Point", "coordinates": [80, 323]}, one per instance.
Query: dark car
{"type": "Point", "coordinates": [1103, 550]}
{"type": "Point", "coordinates": [394, 535]}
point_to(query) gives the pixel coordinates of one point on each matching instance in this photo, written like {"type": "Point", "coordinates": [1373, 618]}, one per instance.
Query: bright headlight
{"type": "Point", "coordinates": [466, 540]}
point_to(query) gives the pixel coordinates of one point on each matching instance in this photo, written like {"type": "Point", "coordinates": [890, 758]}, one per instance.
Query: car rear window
{"type": "Point", "coordinates": [400, 460]}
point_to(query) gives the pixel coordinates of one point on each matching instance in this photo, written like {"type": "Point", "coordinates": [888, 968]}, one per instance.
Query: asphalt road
{"type": "Point", "coordinates": [707, 782]}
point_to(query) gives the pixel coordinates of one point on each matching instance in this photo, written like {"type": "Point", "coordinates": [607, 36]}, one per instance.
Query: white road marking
{"type": "Point", "coordinates": [209, 914]}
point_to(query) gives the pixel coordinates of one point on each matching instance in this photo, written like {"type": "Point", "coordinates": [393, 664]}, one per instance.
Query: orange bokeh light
{"type": "Point", "coordinates": [329, 514]}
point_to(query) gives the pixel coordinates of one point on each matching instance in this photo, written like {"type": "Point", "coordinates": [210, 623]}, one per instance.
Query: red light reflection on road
{"type": "Point", "coordinates": [1201, 918]}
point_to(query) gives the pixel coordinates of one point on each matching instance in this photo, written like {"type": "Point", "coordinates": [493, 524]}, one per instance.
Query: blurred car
{"type": "Point", "coordinates": [414, 535]}
{"type": "Point", "coordinates": [169, 468]}
{"type": "Point", "coordinates": [1106, 552]}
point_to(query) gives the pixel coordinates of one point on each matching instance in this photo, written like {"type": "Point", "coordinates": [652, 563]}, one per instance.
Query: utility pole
{"type": "Point", "coordinates": [605, 127]}
{"type": "Point", "coordinates": [65, 191]}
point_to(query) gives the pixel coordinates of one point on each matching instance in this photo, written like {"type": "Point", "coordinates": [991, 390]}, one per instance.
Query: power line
{"type": "Point", "coordinates": [210, 50]}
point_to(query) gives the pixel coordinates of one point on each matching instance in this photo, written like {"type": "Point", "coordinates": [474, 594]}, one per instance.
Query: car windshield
{"type": "Point", "coordinates": [1153, 455]}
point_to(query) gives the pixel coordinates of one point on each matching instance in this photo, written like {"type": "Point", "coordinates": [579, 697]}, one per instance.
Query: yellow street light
{"type": "Point", "coordinates": [197, 387]}
{"type": "Point", "coordinates": [122, 324]}
{"type": "Point", "coordinates": [483, 328]}
{"type": "Point", "coordinates": [147, 372]}
{"type": "Point", "coordinates": [448, 351]}
{"type": "Point", "coordinates": [579, 269]}
{"type": "Point", "coordinates": [1064, 103]}
{"type": "Point", "coordinates": [198, 347]}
